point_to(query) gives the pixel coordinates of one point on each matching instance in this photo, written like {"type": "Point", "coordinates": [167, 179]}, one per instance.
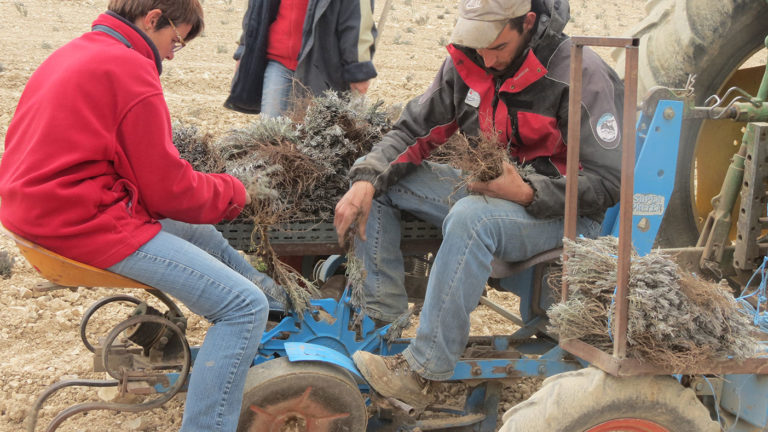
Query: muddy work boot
{"type": "Point", "coordinates": [391, 376]}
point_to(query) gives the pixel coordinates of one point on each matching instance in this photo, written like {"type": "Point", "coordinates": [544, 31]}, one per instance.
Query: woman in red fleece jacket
{"type": "Point", "coordinates": [90, 171]}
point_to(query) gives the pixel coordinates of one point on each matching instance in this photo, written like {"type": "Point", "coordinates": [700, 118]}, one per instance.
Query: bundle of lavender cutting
{"type": "Point", "coordinates": [295, 165]}
{"type": "Point", "coordinates": [675, 318]}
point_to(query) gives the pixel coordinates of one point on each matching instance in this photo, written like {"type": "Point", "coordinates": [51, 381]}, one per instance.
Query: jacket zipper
{"type": "Point", "coordinates": [495, 103]}
{"type": "Point", "coordinates": [515, 126]}
{"type": "Point", "coordinates": [512, 116]}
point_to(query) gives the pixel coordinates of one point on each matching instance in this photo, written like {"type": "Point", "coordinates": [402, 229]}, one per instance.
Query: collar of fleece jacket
{"type": "Point", "coordinates": [139, 41]}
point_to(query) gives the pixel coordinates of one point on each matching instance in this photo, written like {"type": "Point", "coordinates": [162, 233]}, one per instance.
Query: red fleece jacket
{"type": "Point", "coordinates": [89, 164]}
{"type": "Point", "coordinates": [286, 33]}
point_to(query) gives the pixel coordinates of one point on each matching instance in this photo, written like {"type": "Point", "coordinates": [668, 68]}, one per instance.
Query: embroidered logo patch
{"type": "Point", "coordinates": [607, 128]}
{"type": "Point", "coordinates": [472, 99]}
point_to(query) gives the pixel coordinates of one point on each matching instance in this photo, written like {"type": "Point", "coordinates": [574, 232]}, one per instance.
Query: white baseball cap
{"type": "Point", "coordinates": [481, 21]}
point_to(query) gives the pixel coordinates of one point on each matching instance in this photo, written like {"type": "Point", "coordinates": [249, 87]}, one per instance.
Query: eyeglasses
{"type": "Point", "coordinates": [177, 45]}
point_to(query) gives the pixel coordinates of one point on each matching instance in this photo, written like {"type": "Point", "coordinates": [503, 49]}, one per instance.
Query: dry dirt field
{"type": "Point", "coordinates": [39, 341]}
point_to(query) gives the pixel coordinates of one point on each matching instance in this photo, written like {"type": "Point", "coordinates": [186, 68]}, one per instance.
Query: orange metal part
{"type": "Point", "coordinates": [69, 273]}
{"type": "Point", "coordinates": [628, 425]}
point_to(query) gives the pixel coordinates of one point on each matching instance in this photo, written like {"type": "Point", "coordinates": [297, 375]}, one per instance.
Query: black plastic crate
{"type": "Point", "coordinates": [319, 234]}
{"type": "Point", "coordinates": [241, 236]}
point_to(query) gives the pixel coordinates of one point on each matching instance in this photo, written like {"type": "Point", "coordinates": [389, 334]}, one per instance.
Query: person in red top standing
{"type": "Point", "coordinates": [283, 45]}
{"type": "Point", "coordinates": [319, 44]}
{"type": "Point", "coordinates": [90, 172]}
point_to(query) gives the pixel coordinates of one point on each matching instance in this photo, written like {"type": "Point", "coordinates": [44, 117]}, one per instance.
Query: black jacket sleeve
{"type": "Point", "coordinates": [357, 34]}
{"type": "Point", "coordinates": [247, 85]}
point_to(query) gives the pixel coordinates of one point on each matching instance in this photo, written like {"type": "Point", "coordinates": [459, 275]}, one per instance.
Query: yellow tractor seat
{"type": "Point", "coordinates": [70, 273]}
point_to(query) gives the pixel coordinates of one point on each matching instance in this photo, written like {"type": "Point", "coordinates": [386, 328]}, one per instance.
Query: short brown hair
{"type": "Point", "coordinates": [516, 23]}
{"type": "Point", "coordinates": [179, 11]}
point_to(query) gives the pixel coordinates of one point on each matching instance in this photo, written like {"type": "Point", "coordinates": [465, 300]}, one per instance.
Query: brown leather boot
{"type": "Point", "coordinates": [391, 376]}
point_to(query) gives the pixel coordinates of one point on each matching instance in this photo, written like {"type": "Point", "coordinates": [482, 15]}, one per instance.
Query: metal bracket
{"type": "Point", "coordinates": [752, 220]}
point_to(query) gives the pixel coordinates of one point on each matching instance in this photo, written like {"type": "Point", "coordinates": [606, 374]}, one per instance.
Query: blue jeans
{"type": "Point", "coordinates": [276, 92]}
{"type": "Point", "coordinates": [196, 265]}
{"type": "Point", "coordinates": [476, 229]}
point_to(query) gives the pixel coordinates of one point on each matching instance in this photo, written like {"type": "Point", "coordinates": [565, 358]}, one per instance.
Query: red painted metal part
{"type": "Point", "coordinates": [312, 415]}
{"type": "Point", "coordinates": [628, 425]}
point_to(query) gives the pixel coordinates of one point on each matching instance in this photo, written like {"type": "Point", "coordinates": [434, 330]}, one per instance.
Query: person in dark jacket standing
{"type": "Point", "coordinates": [507, 76]}
{"type": "Point", "coordinates": [90, 172]}
{"type": "Point", "coordinates": [289, 48]}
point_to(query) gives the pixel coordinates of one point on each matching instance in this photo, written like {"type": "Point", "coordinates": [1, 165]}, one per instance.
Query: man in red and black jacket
{"type": "Point", "coordinates": [506, 76]}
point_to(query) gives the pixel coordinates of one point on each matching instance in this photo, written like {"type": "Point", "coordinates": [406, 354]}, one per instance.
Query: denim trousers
{"type": "Point", "coordinates": [476, 229]}
{"type": "Point", "coordinates": [276, 91]}
{"type": "Point", "coordinates": [198, 267]}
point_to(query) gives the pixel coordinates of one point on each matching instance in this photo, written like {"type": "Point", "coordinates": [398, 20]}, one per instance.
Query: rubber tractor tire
{"type": "Point", "coordinates": [589, 400]}
{"type": "Point", "coordinates": [303, 396]}
{"type": "Point", "coordinates": [712, 39]}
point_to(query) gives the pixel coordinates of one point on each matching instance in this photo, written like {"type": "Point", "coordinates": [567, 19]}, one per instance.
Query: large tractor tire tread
{"type": "Point", "coordinates": [708, 38]}
{"type": "Point", "coordinates": [589, 399]}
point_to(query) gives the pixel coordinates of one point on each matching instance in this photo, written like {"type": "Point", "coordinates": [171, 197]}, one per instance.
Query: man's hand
{"type": "Point", "coordinates": [509, 186]}
{"type": "Point", "coordinates": [360, 87]}
{"type": "Point", "coordinates": [354, 206]}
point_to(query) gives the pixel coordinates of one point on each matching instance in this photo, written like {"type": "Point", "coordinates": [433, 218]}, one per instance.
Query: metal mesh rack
{"type": "Point", "coordinates": [319, 238]}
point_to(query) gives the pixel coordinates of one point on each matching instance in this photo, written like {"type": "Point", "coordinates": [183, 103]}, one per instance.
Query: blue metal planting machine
{"type": "Point", "coordinates": [304, 375]}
